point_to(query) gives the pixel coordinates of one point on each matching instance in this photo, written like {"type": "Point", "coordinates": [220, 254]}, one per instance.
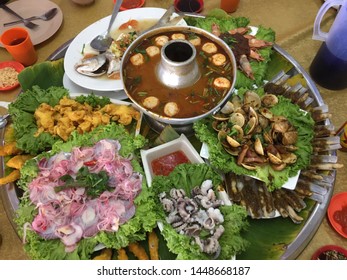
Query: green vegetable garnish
{"type": "Point", "coordinates": [94, 183]}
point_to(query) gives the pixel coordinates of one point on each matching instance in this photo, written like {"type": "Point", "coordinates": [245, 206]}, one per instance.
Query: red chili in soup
{"type": "Point", "coordinates": [165, 164]}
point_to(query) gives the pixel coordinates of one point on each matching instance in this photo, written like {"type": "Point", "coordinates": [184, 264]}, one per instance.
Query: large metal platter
{"type": "Point", "coordinates": [288, 248]}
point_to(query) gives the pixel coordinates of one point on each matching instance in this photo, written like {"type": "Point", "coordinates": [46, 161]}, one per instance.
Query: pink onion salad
{"type": "Point", "coordinates": [71, 213]}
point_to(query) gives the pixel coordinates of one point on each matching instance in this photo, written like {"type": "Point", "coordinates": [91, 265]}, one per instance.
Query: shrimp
{"type": "Point", "coordinates": [241, 30]}
{"type": "Point", "coordinates": [246, 66]}
{"type": "Point", "coordinates": [215, 29]}
{"type": "Point", "coordinates": [255, 55]}
{"type": "Point", "coordinates": [257, 43]}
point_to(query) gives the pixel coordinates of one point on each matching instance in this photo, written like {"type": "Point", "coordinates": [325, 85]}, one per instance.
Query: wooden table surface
{"type": "Point", "coordinates": [293, 23]}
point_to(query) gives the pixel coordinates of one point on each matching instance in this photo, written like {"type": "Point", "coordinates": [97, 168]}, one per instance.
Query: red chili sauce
{"type": "Point", "coordinates": [341, 218]}
{"type": "Point", "coordinates": [165, 164]}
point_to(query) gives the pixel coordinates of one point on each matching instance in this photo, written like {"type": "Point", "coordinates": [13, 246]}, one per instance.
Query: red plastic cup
{"type": "Point", "coordinates": [18, 43]}
{"type": "Point", "coordinates": [189, 6]}
{"type": "Point", "coordinates": [130, 4]}
{"type": "Point", "coordinates": [229, 6]}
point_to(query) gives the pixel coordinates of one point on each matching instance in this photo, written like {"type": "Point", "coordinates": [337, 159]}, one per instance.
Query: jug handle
{"type": "Point", "coordinates": [318, 34]}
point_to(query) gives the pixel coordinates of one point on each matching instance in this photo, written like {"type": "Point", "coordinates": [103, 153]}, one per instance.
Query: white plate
{"type": "Point", "coordinates": [73, 53]}
{"type": "Point", "coordinates": [28, 8]}
{"type": "Point", "coordinates": [72, 87]}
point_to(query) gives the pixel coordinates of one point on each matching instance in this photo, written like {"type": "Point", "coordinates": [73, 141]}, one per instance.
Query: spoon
{"type": "Point", "coordinates": [103, 41]}
{"type": "Point", "coordinates": [46, 16]}
{"type": "Point", "coordinates": [27, 23]}
{"type": "Point", "coordinates": [3, 120]}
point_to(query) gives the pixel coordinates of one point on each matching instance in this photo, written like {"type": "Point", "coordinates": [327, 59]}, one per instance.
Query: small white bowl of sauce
{"type": "Point", "coordinates": [161, 160]}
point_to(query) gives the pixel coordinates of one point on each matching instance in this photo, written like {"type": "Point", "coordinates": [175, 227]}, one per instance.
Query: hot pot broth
{"type": "Point", "coordinates": [142, 82]}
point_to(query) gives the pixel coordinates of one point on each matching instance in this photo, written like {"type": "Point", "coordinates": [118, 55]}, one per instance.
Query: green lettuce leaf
{"type": "Point", "coordinates": [187, 176]}
{"type": "Point", "coordinates": [144, 220]}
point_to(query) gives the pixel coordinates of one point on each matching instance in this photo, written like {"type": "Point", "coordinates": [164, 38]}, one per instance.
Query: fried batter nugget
{"type": "Point", "coordinates": [124, 112]}
{"type": "Point", "coordinates": [17, 161]}
{"type": "Point", "coordinates": [106, 254]}
{"type": "Point", "coordinates": [153, 244]}
{"type": "Point", "coordinates": [13, 176]}
{"type": "Point", "coordinates": [122, 254]}
{"type": "Point", "coordinates": [44, 116]}
{"type": "Point", "coordinates": [69, 115]}
{"type": "Point", "coordinates": [9, 149]}
{"type": "Point", "coordinates": [138, 251]}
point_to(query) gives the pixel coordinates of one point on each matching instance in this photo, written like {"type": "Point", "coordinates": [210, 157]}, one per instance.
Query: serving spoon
{"type": "Point", "coordinates": [46, 16]}
{"type": "Point", "coordinates": [27, 23]}
{"type": "Point", "coordinates": [103, 41]}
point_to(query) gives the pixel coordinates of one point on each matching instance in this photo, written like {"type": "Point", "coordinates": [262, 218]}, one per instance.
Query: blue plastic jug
{"type": "Point", "coordinates": [329, 67]}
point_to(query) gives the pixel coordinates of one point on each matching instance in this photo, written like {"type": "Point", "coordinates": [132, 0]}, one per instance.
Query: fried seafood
{"type": "Point", "coordinates": [17, 161]}
{"type": "Point", "coordinates": [138, 251]}
{"type": "Point", "coordinates": [9, 149]}
{"type": "Point", "coordinates": [106, 254]}
{"type": "Point", "coordinates": [153, 245]}
{"type": "Point", "coordinates": [13, 176]}
{"type": "Point", "coordinates": [69, 115]}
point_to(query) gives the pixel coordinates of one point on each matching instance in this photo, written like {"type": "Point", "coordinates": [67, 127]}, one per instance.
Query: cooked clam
{"type": "Point", "coordinates": [252, 99]}
{"type": "Point", "coordinates": [258, 147]}
{"type": "Point", "coordinates": [237, 119]}
{"type": "Point", "coordinates": [269, 100]}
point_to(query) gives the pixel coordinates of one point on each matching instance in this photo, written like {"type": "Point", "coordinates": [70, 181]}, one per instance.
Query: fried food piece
{"type": "Point", "coordinates": [122, 254]}
{"type": "Point", "coordinates": [153, 244]}
{"type": "Point", "coordinates": [17, 161]}
{"type": "Point", "coordinates": [13, 176]}
{"type": "Point", "coordinates": [44, 116]}
{"type": "Point", "coordinates": [106, 254]}
{"type": "Point", "coordinates": [69, 115]}
{"type": "Point", "coordinates": [123, 113]}
{"type": "Point", "coordinates": [138, 251]}
{"type": "Point", "coordinates": [9, 149]}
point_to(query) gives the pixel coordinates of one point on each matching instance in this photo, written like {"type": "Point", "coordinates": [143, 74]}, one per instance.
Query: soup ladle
{"type": "Point", "coordinates": [103, 41]}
